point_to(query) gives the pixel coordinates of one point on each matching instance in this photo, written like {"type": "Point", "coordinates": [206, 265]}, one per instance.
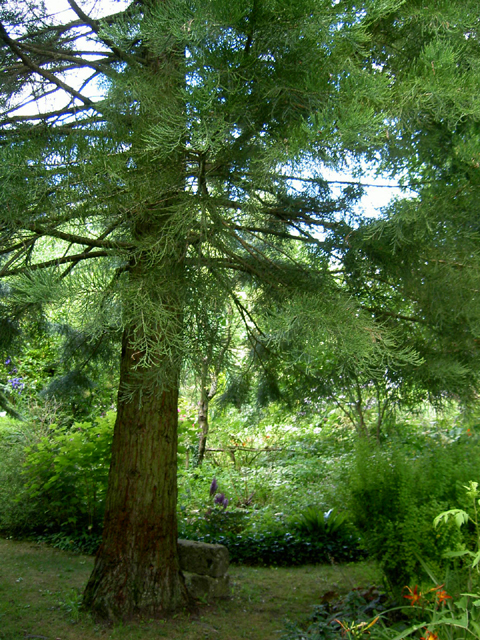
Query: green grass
{"type": "Point", "coordinates": [40, 591]}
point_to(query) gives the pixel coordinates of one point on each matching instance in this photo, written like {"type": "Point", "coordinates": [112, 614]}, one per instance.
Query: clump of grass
{"type": "Point", "coordinates": [314, 522]}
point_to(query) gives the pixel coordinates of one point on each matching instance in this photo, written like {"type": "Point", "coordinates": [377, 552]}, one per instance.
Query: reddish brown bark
{"type": "Point", "coordinates": [136, 568]}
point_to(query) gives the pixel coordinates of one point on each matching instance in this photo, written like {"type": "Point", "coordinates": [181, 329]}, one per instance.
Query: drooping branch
{"type": "Point", "coordinates": [254, 251]}
{"type": "Point", "coordinates": [278, 249]}
{"type": "Point", "coordinates": [246, 266]}
{"type": "Point", "coordinates": [75, 239]}
{"type": "Point", "coordinates": [55, 262]}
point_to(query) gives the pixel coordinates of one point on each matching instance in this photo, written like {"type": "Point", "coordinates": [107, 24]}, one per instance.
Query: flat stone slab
{"type": "Point", "coordinates": [203, 559]}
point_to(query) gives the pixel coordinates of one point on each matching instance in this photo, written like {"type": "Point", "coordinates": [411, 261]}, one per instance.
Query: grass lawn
{"type": "Point", "coordinates": [40, 591]}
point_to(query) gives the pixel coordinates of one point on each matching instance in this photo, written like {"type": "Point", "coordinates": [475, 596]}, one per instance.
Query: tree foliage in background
{"type": "Point", "coordinates": [415, 271]}
{"type": "Point", "coordinates": [184, 152]}
{"type": "Point", "coordinates": [418, 267]}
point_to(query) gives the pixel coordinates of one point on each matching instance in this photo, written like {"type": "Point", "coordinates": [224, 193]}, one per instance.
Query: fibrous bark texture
{"type": "Point", "coordinates": [137, 569]}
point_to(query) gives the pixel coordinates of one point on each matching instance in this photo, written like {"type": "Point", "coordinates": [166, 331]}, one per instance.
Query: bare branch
{"type": "Point", "coordinates": [76, 60]}
{"type": "Point", "coordinates": [42, 72]}
{"type": "Point", "coordinates": [354, 183]}
{"type": "Point", "coordinates": [271, 232]}
{"type": "Point", "coordinates": [67, 111]}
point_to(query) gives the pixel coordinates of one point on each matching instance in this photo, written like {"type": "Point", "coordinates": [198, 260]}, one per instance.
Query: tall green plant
{"type": "Point", "coordinates": [18, 513]}
{"type": "Point", "coordinates": [66, 473]}
{"type": "Point", "coordinates": [394, 499]}
{"type": "Point", "coordinates": [436, 613]}
{"type": "Point", "coordinates": [462, 517]}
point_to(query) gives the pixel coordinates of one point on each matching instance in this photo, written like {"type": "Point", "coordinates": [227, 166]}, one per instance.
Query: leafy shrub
{"type": "Point", "coordinates": [313, 522]}
{"type": "Point", "coordinates": [214, 521]}
{"type": "Point", "coordinates": [287, 549]}
{"type": "Point", "coordinates": [17, 512]}
{"type": "Point", "coordinates": [65, 476]}
{"type": "Point", "coordinates": [254, 536]}
{"type": "Point", "coordinates": [281, 549]}
{"type": "Point", "coordinates": [394, 499]}
{"type": "Point", "coordinates": [271, 542]}
{"type": "Point", "coordinates": [331, 619]}
{"type": "Point", "coordinates": [86, 542]}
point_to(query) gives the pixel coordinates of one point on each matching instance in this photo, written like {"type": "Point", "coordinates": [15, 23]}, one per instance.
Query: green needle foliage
{"type": "Point", "coordinates": [157, 160]}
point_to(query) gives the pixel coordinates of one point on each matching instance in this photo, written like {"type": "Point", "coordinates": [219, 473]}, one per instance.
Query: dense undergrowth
{"type": "Point", "coordinates": [283, 491]}
{"type": "Point", "coordinates": [294, 489]}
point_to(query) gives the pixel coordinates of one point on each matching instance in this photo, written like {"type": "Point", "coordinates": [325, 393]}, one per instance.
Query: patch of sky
{"type": "Point", "coordinates": [94, 8]}
{"type": "Point", "coordinates": [377, 190]}
{"type": "Point", "coordinates": [52, 99]}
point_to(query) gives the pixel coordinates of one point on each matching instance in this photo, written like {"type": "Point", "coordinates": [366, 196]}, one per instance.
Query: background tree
{"type": "Point", "coordinates": [213, 337]}
{"type": "Point", "coordinates": [417, 269]}
{"type": "Point", "coordinates": [211, 366]}
{"type": "Point", "coordinates": [187, 164]}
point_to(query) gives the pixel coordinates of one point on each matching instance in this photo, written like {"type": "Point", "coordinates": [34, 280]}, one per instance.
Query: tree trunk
{"type": "Point", "coordinates": [203, 404]}
{"type": "Point", "coordinates": [202, 417]}
{"type": "Point", "coordinates": [136, 569]}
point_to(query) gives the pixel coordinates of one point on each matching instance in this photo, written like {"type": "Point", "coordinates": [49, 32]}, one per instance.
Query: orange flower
{"type": "Point", "coordinates": [429, 635]}
{"type": "Point", "coordinates": [442, 596]}
{"type": "Point", "coordinates": [414, 597]}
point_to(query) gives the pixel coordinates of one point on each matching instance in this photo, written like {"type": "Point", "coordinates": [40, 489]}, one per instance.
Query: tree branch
{"type": "Point", "coordinates": [73, 238]}
{"type": "Point", "coordinates": [42, 72]}
{"type": "Point", "coordinates": [53, 263]}
{"type": "Point", "coordinates": [24, 248]}
{"type": "Point", "coordinates": [67, 57]}
{"type": "Point", "coordinates": [392, 314]}
{"type": "Point", "coordinates": [95, 26]}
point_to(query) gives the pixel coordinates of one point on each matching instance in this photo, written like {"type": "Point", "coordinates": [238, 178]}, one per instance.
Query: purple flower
{"type": "Point", "coordinates": [213, 487]}
{"type": "Point", "coordinates": [221, 500]}
{"type": "Point", "coordinates": [7, 361]}
{"type": "Point", "coordinates": [17, 384]}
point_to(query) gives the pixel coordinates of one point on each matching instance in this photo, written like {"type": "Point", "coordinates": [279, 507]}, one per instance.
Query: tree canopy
{"type": "Point", "coordinates": [156, 160]}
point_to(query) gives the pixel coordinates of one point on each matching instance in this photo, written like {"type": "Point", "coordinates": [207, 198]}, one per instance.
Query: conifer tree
{"type": "Point", "coordinates": [417, 269]}
{"type": "Point", "coordinates": [149, 151]}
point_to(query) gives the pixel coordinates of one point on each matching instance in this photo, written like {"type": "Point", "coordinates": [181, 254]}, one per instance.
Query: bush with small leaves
{"type": "Point", "coordinates": [65, 475]}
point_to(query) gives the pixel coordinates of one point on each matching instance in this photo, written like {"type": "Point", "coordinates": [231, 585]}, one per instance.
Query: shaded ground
{"type": "Point", "coordinates": [40, 591]}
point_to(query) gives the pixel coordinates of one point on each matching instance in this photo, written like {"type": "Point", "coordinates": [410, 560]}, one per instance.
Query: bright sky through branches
{"type": "Point", "coordinates": [376, 197]}
{"type": "Point", "coordinates": [61, 12]}
{"type": "Point", "coordinates": [94, 8]}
